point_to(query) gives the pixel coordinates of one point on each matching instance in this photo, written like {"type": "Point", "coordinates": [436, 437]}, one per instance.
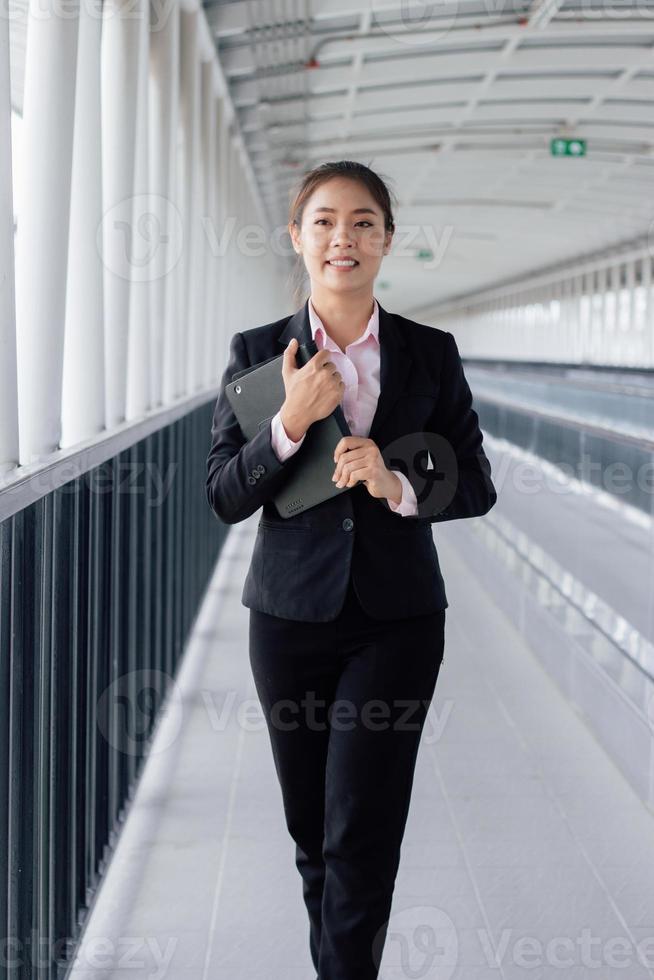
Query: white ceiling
{"type": "Point", "coordinates": [456, 104]}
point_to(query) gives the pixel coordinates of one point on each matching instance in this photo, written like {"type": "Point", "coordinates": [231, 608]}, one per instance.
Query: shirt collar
{"type": "Point", "coordinates": [372, 328]}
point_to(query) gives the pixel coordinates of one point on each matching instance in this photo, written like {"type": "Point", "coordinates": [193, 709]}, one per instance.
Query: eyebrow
{"type": "Point", "coordinates": [355, 211]}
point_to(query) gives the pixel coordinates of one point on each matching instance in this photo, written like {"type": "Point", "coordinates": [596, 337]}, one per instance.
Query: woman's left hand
{"type": "Point", "coordinates": [359, 459]}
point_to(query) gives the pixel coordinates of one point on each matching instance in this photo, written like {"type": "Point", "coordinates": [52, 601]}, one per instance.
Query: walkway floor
{"type": "Point", "coordinates": [521, 833]}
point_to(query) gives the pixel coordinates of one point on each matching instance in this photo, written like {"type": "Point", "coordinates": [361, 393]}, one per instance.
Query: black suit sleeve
{"type": "Point", "coordinates": [455, 420]}
{"type": "Point", "coordinates": [241, 475]}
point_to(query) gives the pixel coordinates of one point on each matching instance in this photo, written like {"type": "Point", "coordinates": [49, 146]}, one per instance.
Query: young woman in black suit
{"type": "Point", "coordinates": [347, 601]}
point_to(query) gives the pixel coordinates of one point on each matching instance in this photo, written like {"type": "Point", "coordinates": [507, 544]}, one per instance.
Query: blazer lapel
{"type": "Point", "coordinates": [394, 353]}
{"type": "Point", "coordinates": [298, 326]}
{"type": "Point", "coordinates": [393, 369]}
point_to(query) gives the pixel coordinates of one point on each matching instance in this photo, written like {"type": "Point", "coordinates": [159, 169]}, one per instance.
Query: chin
{"type": "Point", "coordinates": [345, 281]}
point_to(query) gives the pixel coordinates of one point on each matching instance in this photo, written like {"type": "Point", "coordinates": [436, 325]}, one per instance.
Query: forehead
{"type": "Point", "coordinates": [348, 196]}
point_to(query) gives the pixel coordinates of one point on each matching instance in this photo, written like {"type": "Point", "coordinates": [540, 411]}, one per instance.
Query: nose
{"type": "Point", "coordinates": [342, 236]}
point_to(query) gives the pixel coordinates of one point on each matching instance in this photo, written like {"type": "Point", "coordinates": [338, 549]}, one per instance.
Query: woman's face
{"type": "Point", "coordinates": [341, 219]}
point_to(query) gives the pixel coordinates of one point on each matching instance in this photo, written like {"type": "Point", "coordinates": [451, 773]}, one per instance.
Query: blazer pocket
{"type": "Point", "coordinates": [284, 558]}
{"type": "Point", "coordinates": [279, 529]}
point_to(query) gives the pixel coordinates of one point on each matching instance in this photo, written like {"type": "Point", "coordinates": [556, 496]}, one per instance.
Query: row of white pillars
{"type": "Point", "coordinates": [600, 314]}
{"type": "Point", "coordinates": [124, 300]}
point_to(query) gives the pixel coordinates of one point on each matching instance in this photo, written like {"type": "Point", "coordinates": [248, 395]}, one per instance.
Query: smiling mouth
{"type": "Point", "coordinates": [342, 263]}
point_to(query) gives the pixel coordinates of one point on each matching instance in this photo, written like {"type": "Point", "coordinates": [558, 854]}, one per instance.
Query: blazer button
{"type": "Point", "coordinates": [348, 524]}
{"type": "Point", "coordinates": [251, 479]}
{"type": "Point", "coordinates": [256, 474]}
{"type": "Point", "coordinates": [261, 468]}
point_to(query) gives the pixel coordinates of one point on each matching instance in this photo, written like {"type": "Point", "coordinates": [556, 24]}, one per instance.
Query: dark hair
{"type": "Point", "coordinates": [312, 180]}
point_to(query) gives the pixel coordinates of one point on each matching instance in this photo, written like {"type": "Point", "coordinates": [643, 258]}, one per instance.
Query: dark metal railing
{"type": "Point", "coordinates": [100, 581]}
{"type": "Point", "coordinates": [615, 462]}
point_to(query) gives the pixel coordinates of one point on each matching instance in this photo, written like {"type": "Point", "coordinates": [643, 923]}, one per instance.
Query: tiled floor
{"type": "Point", "coordinates": [521, 833]}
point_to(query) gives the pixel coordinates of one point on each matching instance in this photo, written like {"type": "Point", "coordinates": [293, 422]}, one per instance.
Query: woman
{"type": "Point", "coordinates": [347, 601]}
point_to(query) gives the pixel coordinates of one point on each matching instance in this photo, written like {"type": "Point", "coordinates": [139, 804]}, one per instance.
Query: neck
{"type": "Point", "coordinates": [346, 317]}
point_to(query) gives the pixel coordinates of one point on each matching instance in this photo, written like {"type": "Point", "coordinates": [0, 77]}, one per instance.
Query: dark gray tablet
{"type": "Point", "coordinates": [256, 394]}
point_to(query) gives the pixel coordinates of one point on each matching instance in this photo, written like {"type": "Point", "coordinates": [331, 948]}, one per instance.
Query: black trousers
{"type": "Point", "coordinates": [345, 704]}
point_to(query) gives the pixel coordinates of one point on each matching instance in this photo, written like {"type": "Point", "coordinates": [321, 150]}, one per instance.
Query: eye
{"type": "Point", "coordinates": [362, 222]}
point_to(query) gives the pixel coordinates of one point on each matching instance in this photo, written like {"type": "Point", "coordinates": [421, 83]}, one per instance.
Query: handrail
{"type": "Point", "coordinates": [30, 482]}
{"type": "Point", "coordinates": [500, 369]}
{"type": "Point", "coordinates": [577, 425]}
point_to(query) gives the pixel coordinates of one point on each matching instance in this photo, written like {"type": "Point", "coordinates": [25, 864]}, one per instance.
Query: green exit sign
{"type": "Point", "coordinates": [560, 147]}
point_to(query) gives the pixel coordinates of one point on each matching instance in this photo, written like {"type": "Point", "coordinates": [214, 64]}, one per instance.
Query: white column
{"type": "Point", "coordinates": [595, 317]}
{"type": "Point", "coordinates": [566, 287]}
{"type": "Point", "coordinates": [189, 108]}
{"type": "Point", "coordinates": [164, 110]}
{"type": "Point", "coordinates": [215, 263]}
{"type": "Point", "coordinates": [179, 326]}
{"type": "Point", "coordinates": [646, 273]}
{"type": "Point", "coordinates": [585, 318]}
{"type": "Point", "coordinates": [200, 269]}
{"type": "Point", "coordinates": [574, 348]}
{"type": "Point", "coordinates": [8, 383]}
{"type": "Point", "coordinates": [209, 124]}
{"type": "Point", "coordinates": [556, 334]}
{"type": "Point", "coordinates": [120, 49]}
{"type": "Point", "coordinates": [613, 315]}
{"type": "Point", "coordinates": [44, 211]}
{"type": "Point", "coordinates": [227, 232]}
{"type": "Point", "coordinates": [145, 234]}
{"type": "Point", "coordinates": [236, 300]}
{"type": "Point", "coordinates": [83, 394]}
{"type": "Point", "coordinates": [232, 292]}
{"type": "Point", "coordinates": [249, 261]}
{"type": "Point", "coordinates": [236, 283]}
{"type": "Point", "coordinates": [601, 289]}
{"type": "Point", "coordinates": [224, 229]}
{"type": "Point", "coordinates": [629, 343]}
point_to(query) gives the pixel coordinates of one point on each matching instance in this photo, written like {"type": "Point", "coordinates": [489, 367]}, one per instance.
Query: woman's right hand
{"type": "Point", "coordinates": [312, 391]}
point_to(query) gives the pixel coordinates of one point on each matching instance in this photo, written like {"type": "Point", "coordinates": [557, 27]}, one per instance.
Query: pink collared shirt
{"type": "Point", "coordinates": [359, 368]}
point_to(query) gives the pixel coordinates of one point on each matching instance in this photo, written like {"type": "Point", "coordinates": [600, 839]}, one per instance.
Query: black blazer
{"type": "Point", "coordinates": [300, 565]}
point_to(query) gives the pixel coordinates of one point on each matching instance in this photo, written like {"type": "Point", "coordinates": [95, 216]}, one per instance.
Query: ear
{"type": "Point", "coordinates": [295, 237]}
